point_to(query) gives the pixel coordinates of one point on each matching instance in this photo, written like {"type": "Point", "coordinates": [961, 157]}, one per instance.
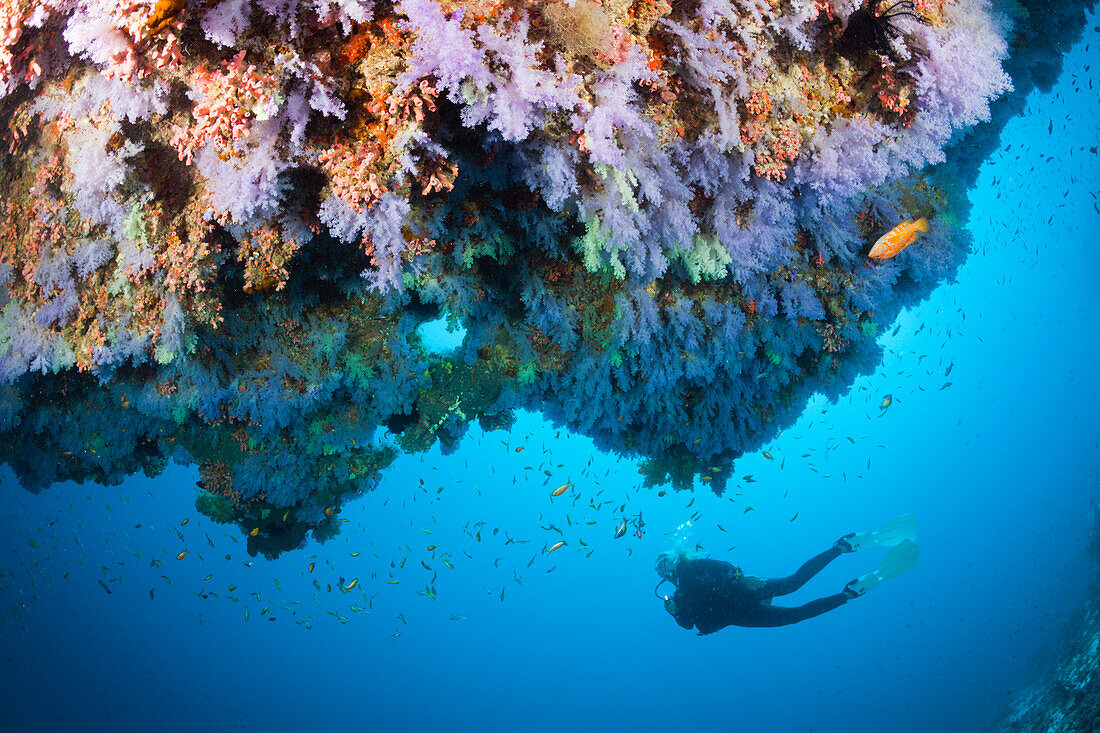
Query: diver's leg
{"type": "Point", "coordinates": [782, 586]}
{"type": "Point", "coordinates": [765, 615]}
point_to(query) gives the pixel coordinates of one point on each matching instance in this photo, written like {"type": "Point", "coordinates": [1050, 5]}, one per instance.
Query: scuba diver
{"type": "Point", "coordinates": [713, 594]}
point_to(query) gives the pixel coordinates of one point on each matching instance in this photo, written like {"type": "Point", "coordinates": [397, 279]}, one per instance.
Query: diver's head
{"type": "Point", "coordinates": [668, 563]}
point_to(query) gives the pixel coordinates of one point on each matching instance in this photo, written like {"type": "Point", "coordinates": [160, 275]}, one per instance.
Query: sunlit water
{"type": "Point", "coordinates": [999, 460]}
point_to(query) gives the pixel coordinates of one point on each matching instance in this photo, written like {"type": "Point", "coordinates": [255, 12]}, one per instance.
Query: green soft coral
{"type": "Point", "coordinates": [707, 259]}
{"type": "Point", "coordinates": [593, 246]}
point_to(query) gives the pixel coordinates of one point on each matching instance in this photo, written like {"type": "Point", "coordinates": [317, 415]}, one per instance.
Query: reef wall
{"type": "Point", "coordinates": [1067, 700]}
{"type": "Point", "coordinates": [222, 223]}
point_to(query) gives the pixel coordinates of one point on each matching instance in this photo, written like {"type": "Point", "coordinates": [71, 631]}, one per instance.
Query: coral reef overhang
{"type": "Point", "coordinates": [222, 225]}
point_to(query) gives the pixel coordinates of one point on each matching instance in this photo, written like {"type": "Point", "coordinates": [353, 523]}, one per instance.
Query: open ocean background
{"type": "Point", "coordinates": [1001, 467]}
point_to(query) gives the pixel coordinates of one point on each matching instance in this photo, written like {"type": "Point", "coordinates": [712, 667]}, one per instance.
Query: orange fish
{"type": "Point", "coordinates": [254, 532]}
{"type": "Point", "coordinates": [560, 490]}
{"type": "Point", "coordinates": [311, 566]}
{"type": "Point", "coordinates": [185, 521]}
{"type": "Point", "coordinates": [556, 546]}
{"type": "Point", "coordinates": [352, 584]}
{"type": "Point", "coordinates": [328, 511]}
{"type": "Point", "coordinates": [898, 238]}
{"type": "Point", "coordinates": [181, 555]}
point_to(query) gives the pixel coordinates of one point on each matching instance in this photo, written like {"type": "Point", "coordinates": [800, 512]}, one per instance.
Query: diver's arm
{"type": "Point", "coordinates": [679, 608]}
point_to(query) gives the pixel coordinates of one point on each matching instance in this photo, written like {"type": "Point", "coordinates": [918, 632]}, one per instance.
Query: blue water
{"type": "Point", "coordinates": [1001, 467]}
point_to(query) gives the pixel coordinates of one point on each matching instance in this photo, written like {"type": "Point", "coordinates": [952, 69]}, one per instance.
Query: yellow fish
{"type": "Point", "coordinates": [560, 490]}
{"type": "Point", "coordinates": [898, 238]}
{"type": "Point", "coordinates": [181, 555]}
{"type": "Point", "coordinates": [556, 546]}
{"type": "Point", "coordinates": [311, 566]}
{"type": "Point", "coordinates": [886, 402]}
{"type": "Point", "coordinates": [352, 584]}
{"type": "Point", "coordinates": [254, 532]}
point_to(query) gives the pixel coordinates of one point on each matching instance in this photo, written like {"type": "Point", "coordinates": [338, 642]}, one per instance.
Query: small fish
{"type": "Point", "coordinates": [328, 511]}
{"type": "Point", "coordinates": [794, 517]}
{"type": "Point", "coordinates": [208, 577]}
{"type": "Point", "coordinates": [351, 586]}
{"type": "Point", "coordinates": [621, 530]}
{"type": "Point", "coordinates": [355, 554]}
{"type": "Point", "coordinates": [105, 587]}
{"type": "Point", "coordinates": [181, 555]}
{"type": "Point", "coordinates": [661, 493]}
{"type": "Point", "coordinates": [232, 588]}
{"type": "Point", "coordinates": [560, 490]}
{"type": "Point", "coordinates": [255, 531]}
{"type": "Point", "coordinates": [431, 547]}
{"type": "Point", "coordinates": [749, 509]}
{"type": "Point", "coordinates": [312, 565]}
{"type": "Point", "coordinates": [556, 546]}
{"type": "Point", "coordinates": [898, 238]}
{"type": "Point", "coordinates": [886, 402]}
{"type": "Point", "coordinates": [185, 521]}
{"type": "Point", "coordinates": [768, 455]}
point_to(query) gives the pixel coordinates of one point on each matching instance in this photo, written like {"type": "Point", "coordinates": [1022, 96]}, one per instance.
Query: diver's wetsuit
{"type": "Point", "coordinates": [712, 594]}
